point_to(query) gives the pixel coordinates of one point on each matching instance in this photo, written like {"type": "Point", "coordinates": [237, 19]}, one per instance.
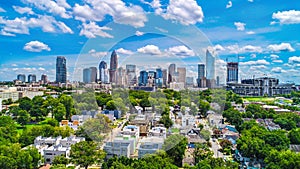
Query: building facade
{"type": "Point", "coordinates": [232, 72]}
{"type": "Point", "coordinates": [103, 72]}
{"type": "Point", "coordinates": [113, 67]}
{"type": "Point", "coordinates": [210, 64]}
{"type": "Point", "coordinates": [131, 75]}
{"type": "Point", "coordinates": [31, 78]}
{"type": "Point", "coordinates": [21, 77]}
{"type": "Point", "coordinates": [61, 69]}
{"type": "Point", "coordinates": [201, 76]}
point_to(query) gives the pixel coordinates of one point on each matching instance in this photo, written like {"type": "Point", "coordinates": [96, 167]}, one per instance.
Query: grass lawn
{"type": "Point", "coordinates": [175, 130]}
{"type": "Point", "coordinates": [20, 128]}
{"type": "Point", "coordinates": [259, 99]}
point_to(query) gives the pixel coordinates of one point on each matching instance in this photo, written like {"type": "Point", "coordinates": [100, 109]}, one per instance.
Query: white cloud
{"type": "Point", "coordinates": [2, 10]}
{"type": "Point", "coordinates": [92, 30]}
{"type": "Point", "coordinates": [41, 69]}
{"type": "Point", "coordinates": [23, 24]}
{"type": "Point", "coordinates": [240, 26]}
{"type": "Point", "coordinates": [245, 49]}
{"type": "Point", "coordinates": [250, 32]}
{"type": "Point", "coordinates": [138, 33]}
{"type": "Point", "coordinates": [124, 51]}
{"type": "Point", "coordinates": [51, 6]}
{"type": "Point", "coordinates": [258, 67]}
{"type": "Point", "coordinates": [218, 47]}
{"type": "Point", "coordinates": [36, 46]}
{"type": "Point", "coordinates": [182, 51]}
{"type": "Point", "coordinates": [4, 33]}
{"type": "Point", "coordinates": [96, 54]}
{"type": "Point", "coordinates": [277, 61]}
{"type": "Point", "coordinates": [281, 47]}
{"type": "Point", "coordinates": [250, 0]}
{"type": "Point", "coordinates": [258, 62]}
{"type": "Point", "coordinates": [273, 57]}
{"type": "Point", "coordinates": [287, 17]}
{"type": "Point", "coordinates": [155, 4]}
{"type": "Point", "coordinates": [229, 4]}
{"type": "Point", "coordinates": [185, 11]}
{"type": "Point", "coordinates": [14, 65]}
{"type": "Point", "coordinates": [23, 10]}
{"type": "Point", "coordinates": [253, 55]}
{"type": "Point", "coordinates": [150, 49]}
{"type": "Point", "coordinates": [96, 10]}
{"type": "Point", "coordinates": [277, 70]}
{"type": "Point", "coordinates": [294, 59]}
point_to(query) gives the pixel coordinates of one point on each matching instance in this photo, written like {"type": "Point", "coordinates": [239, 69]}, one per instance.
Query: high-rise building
{"type": "Point", "coordinates": [21, 77]}
{"type": "Point", "coordinates": [210, 64]}
{"type": "Point", "coordinates": [103, 72]}
{"type": "Point", "coordinates": [159, 77]}
{"type": "Point", "coordinates": [131, 75]}
{"type": "Point", "coordinates": [151, 78]}
{"type": "Point", "coordinates": [44, 79]}
{"type": "Point", "coordinates": [113, 67]}
{"type": "Point", "coordinates": [172, 73]}
{"type": "Point", "coordinates": [90, 75]}
{"type": "Point", "coordinates": [201, 75]}
{"type": "Point", "coordinates": [189, 81]}
{"type": "Point", "coordinates": [121, 76]}
{"type": "Point", "coordinates": [143, 79]}
{"type": "Point", "coordinates": [31, 78]}
{"type": "Point", "coordinates": [181, 74]}
{"type": "Point", "coordinates": [165, 77]}
{"type": "Point", "coordinates": [232, 72]}
{"type": "Point", "coordinates": [218, 80]}
{"type": "Point", "coordinates": [61, 69]}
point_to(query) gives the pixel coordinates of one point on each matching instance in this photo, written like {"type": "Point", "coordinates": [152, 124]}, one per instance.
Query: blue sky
{"type": "Point", "coordinates": [264, 34]}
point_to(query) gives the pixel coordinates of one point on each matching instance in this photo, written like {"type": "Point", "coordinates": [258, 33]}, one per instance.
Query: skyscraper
{"type": "Point", "coordinates": [165, 77]}
{"type": "Point", "coordinates": [172, 72]}
{"type": "Point", "coordinates": [131, 75]}
{"type": "Point", "coordinates": [121, 77]}
{"type": "Point", "coordinates": [159, 77]}
{"type": "Point", "coordinates": [201, 76]}
{"type": "Point", "coordinates": [103, 72]}
{"type": "Point", "coordinates": [44, 79]}
{"type": "Point", "coordinates": [21, 77]}
{"type": "Point", "coordinates": [31, 78]}
{"type": "Point", "coordinates": [181, 74]}
{"type": "Point", "coordinates": [232, 72]}
{"type": "Point", "coordinates": [151, 78]}
{"type": "Point", "coordinates": [61, 69]}
{"type": "Point", "coordinates": [143, 79]}
{"type": "Point", "coordinates": [113, 67]}
{"type": "Point", "coordinates": [90, 75]}
{"type": "Point", "coordinates": [210, 64]}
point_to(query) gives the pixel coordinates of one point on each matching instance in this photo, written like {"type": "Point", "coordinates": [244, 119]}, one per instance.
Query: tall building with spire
{"type": "Point", "coordinates": [113, 67]}
{"type": "Point", "coordinates": [103, 72]}
{"type": "Point", "coordinates": [61, 69]}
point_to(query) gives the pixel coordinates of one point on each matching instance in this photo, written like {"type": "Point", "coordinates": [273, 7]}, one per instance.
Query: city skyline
{"type": "Point", "coordinates": [263, 34]}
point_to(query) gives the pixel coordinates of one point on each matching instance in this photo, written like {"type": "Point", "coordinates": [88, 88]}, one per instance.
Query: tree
{"type": "Point", "coordinates": [201, 152]}
{"type": "Point", "coordinates": [60, 160]}
{"type": "Point", "coordinates": [68, 102]}
{"type": "Point", "coordinates": [166, 121]}
{"type": "Point", "coordinates": [8, 129]}
{"type": "Point", "coordinates": [145, 103]}
{"type": "Point", "coordinates": [60, 112]}
{"type": "Point", "coordinates": [225, 144]}
{"type": "Point", "coordinates": [23, 117]}
{"type": "Point", "coordinates": [294, 136]}
{"type": "Point", "coordinates": [25, 103]}
{"type": "Point", "coordinates": [175, 146]}
{"type": "Point", "coordinates": [110, 105]}
{"type": "Point", "coordinates": [205, 134]}
{"type": "Point", "coordinates": [203, 107]}
{"type": "Point", "coordinates": [85, 154]}
{"type": "Point", "coordinates": [282, 160]}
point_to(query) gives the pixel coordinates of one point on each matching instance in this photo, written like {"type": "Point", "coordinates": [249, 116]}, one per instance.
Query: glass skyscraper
{"type": "Point", "coordinates": [61, 69]}
{"type": "Point", "coordinates": [103, 72]}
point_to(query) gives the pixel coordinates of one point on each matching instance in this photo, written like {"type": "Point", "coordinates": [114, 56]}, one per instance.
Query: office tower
{"type": "Point", "coordinates": [21, 77]}
{"type": "Point", "coordinates": [181, 74]}
{"type": "Point", "coordinates": [113, 67]}
{"type": "Point", "coordinates": [172, 72]}
{"type": "Point", "coordinates": [131, 75]}
{"type": "Point", "coordinates": [31, 78]}
{"type": "Point", "coordinates": [159, 77]}
{"type": "Point", "coordinates": [165, 77]}
{"type": "Point", "coordinates": [210, 64]}
{"type": "Point", "coordinates": [218, 80]}
{"type": "Point", "coordinates": [121, 76]}
{"type": "Point", "coordinates": [90, 75]}
{"type": "Point", "coordinates": [44, 79]}
{"type": "Point", "coordinates": [232, 72]}
{"type": "Point", "coordinates": [143, 79]}
{"type": "Point", "coordinates": [103, 72]}
{"type": "Point", "coordinates": [189, 81]}
{"type": "Point", "coordinates": [61, 69]}
{"type": "Point", "coordinates": [201, 75]}
{"type": "Point", "coordinates": [151, 78]}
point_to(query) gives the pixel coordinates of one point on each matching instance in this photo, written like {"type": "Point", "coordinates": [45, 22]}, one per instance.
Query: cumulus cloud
{"type": "Point", "coordinates": [250, 32]}
{"type": "Point", "coordinates": [138, 33]}
{"type": "Point", "coordinates": [287, 17]}
{"type": "Point", "coordinates": [273, 57]}
{"type": "Point", "coordinates": [240, 26]}
{"type": "Point", "coordinates": [150, 49]}
{"type": "Point", "coordinates": [23, 10]}
{"type": "Point", "coordinates": [277, 70]}
{"type": "Point", "coordinates": [257, 62]}
{"type": "Point", "coordinates": [92, 30]}
{"type": "Point", "coordinates": [184, 11]}
{"type": "Point", "coordinates": [51, 6]}
{"type": "Point", "coordinates": [218, 47]}
{"type": "Point", "coordinates": [124, 51]}
{"type": "Point", "coordinates": [277, 61]}
{"type": "Point", "coordinates": [294, 59]}
{"type": "Point", "coordinates": [36, 46]}
{"type": "Point", "coordinates": [245, 49]}
{"type": "Point", "coordinates": [229, 4]}
{"type": "Point", "coordinates": [281, 47]}
{"type": "Point", "coordinates": [96, 10]}
{"type": "Point", "coordinates": [182, 51]}
{"type": "Point", "coordinates": [23, 24]}
{"type": "Point", "coordinates": [2, 10]}
{"type": "Point", "coordinates": [96, 54]}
